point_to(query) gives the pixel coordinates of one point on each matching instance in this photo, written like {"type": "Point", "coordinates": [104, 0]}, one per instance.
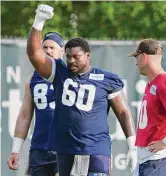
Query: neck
{"type": "Point", "coordinates": [85, 70]}
{"type": "Point", "coordinates": [154, 73]}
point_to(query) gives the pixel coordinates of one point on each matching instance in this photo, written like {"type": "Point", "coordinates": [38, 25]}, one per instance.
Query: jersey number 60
{"type": "Point", "coordinates": [69, 97]}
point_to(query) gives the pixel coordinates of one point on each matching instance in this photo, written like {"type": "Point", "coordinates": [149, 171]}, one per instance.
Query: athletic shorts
{"type": "Point", "coordinates": [42, 163]}
{"type": "Point", "coordinates": [153, 168]}
{"type": "Point", "coordinates": [98, 165]}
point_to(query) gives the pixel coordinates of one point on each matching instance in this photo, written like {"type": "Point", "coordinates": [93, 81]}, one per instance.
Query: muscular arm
{"type": "Point", "coordinates": [39, 59]}
{"type": "Point", "coordinates": [22, 128]}
{"type": "Point", "coordinates": [25, 115]}
{"type": "Point", "coordinates": [120, 107]}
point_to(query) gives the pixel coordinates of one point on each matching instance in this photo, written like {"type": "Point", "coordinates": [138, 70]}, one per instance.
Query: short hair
{"type": "Point", "coordinates": [78, 42]}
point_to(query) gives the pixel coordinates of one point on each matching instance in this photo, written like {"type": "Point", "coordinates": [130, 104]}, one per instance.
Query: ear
{"type": "Point", "coordinates": [63, 50]}
{"type": "Point", "coordinates": [145, 57]}
{"type": "Point", "coordinates": [88, 54]}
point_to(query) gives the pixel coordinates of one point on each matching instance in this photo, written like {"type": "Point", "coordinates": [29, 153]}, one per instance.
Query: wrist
{"type": "Point", "coordinates": [38, 23]}
{"type": "Point", "coordinates": [164, 140]}
{"type": "Point", "coordinates": [131, 142]}
{"type": "Point", "coordinates": [17, 144]}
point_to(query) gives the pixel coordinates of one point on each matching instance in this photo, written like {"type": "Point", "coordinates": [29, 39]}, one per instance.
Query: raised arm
{"type": "Point", "coordinates": [39, 59]}
{"type": "Point", "coordinates": [22, 127]}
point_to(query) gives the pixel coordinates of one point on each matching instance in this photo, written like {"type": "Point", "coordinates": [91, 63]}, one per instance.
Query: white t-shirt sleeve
{"type": "Point", "coordinates": [113, 95]}
{"type": "Point", "coordinates": [51, 78]}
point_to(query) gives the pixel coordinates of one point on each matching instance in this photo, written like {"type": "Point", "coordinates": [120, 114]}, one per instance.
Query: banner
{"type": "Point", "coordinates": [110, 56]}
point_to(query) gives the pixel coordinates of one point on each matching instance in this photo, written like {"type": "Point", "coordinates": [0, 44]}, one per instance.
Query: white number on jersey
{"type": "Point", "coordinates": [143, 119]}
{"type": "Point", "coordinates": [40, 99]}
{"type": "Point", "coordinates": [69, 97]}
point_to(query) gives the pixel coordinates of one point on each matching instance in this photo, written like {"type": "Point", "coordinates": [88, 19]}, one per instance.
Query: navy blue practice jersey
{"type": "Point", "coordinates": [44, 103]}
{"type": "Point", "coordinates": [82, 108]}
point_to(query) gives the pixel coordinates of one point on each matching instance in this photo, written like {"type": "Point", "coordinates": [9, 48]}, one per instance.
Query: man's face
{"type": "Point", "coordinates": [77, 59]}
{"type": "Point", "coordinates": [141, 63]}
{"type": "Point", "coordinates": [52, 49]}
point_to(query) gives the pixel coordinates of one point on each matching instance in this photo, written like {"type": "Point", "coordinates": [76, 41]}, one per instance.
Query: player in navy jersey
{"type": "Point", "coordinates": [39, 97]}
{"type": "Point", "coordinates": [151, 131]}
{"type": "Point", "coordinates": [83, 97]}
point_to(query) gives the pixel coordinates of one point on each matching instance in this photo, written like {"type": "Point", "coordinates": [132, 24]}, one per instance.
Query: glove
{"type": "Point", "coordinates": [131, 159]}
{"type": "Point", "coordinates": [13, 161]}
{"type": "Point", "coordinates": [43, 13]}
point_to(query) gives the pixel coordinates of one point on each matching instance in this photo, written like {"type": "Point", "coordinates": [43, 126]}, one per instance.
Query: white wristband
{"type": "Point", "coordinates": [38, 24]}
{"type": "Point", "coordinates": [164, 140]}
{"type": "Point", "coordinates": [17, 144]}
{"type": "Point", "coordinates": [131, 142]}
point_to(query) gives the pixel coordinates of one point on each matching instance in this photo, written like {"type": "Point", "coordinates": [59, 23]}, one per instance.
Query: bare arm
{"type": "Point", "coordinates": [120, 107]}
{"type": "Point", "coordinates": [25, 115]}
{"type": "Point", "coordinates": [39, 59]}
{"type": "Point", "coordinates": [122, 112]}
{"type": "Point", "coordinates": [22, 128]}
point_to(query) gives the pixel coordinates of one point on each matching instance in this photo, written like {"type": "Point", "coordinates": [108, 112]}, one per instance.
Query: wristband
{"type": "Point", "coordinates": [38, 24]}
{"type": "Point", "coordinates": [131, 141]}
{"type": "Point", "coordinates": [17, 144]}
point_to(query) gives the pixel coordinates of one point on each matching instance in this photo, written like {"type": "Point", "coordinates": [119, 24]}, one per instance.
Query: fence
{"type": "Point", "coordinates": [110, 56]}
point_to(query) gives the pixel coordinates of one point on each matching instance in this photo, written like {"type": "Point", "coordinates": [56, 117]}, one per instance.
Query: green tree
{"type": "Point", "coordinates": [90, 19]}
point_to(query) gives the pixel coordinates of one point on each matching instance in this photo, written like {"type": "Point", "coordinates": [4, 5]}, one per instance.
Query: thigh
{"type": "Point", "coordinates": [65, 163]}
{"type": "Point", "coordinates": [43, 170]}
{"type": "Point", "coordinates": [153, 168]}
{"type": "Point", "coordinates": [162, 167]}
{"type": "Point", "coordinates": [99, 165]}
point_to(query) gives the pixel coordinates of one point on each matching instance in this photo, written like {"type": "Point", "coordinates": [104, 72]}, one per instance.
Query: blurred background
{"type": "Point", "coordinates": [113, 29]}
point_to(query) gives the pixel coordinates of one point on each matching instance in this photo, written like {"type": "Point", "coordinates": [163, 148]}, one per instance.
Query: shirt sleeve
{"type": "Point", "coordinates": [162, 93]}
{"type": "Point", "coordinates": [30, 78]}
{"type": "Point", "coordinates": [58, 66]}
{"type": "Point", "coordinates": [51, 78]}
{"type": "Point", "coordinates": [115, 86]}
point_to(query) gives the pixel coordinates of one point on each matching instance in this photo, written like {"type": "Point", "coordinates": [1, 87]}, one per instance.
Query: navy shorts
{"type": "Point", "coordinates": [42, 163]}
{"type": "Point", "coordinates": [98, 166]}
{"type": "Point", "coordinates": [153, 168]}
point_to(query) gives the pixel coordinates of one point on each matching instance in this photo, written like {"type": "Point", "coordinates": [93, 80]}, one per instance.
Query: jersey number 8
{"type": "Point", "coordinates": [40, 96]}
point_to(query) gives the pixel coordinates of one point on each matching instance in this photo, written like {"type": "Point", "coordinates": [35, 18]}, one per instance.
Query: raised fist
{"type": "Point", "coordinates": [44, 12]}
